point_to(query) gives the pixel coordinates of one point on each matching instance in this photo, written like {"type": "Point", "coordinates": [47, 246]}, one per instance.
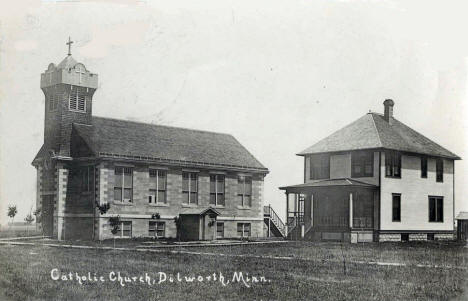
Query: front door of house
{"type": "Point", "coordinates": [208, 229]}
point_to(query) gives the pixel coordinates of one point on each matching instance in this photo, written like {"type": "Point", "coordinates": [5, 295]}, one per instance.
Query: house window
{"type": "Point", "coordinates": [87, 178]}
{"type": "Point", "coordinates": [190, 188]}
{"type": "Point", "coordinates": [77, 100]}
{"type": "Point", "coordinates": [423, 167]}
{"type": "Point", "coordinates": [396, 207]}
{"type": "Point", "coordinates": [217, 190]}
{"type": "Point", "coordinates": [125, 229]}
{"type": "Point", "coordinates": [123, 187]}
{"type": "Point", "coordinates": [362, 164]}
{"type": "Point", "coordinates": [53, 102]}
{"type": "Point", "coordinates": [243, 229]}
{"type": "Point", "coordinates": [219, 230]}
{"type": "Point", "coordinates": [393, 164]}
{"type": "Point", "coordinates": [158, 195]}
{"type": "Point", "coordinates": [436, 209]}
{"type": "Point", "coordinates": [157, 229]}
{"type": "Point", "coordinates": [320, 167]}
{"type": "Point", "coordinates": [244, 191]}
{"type": "Point", "coordinates": [439, 170]}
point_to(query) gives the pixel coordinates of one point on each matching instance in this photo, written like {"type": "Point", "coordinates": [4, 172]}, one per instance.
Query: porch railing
{"type": "Point", "coordinates": [268, 210]}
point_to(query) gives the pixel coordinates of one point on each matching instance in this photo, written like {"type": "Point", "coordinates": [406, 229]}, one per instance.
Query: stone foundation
{"type": "Point", "coordinates": [418, 237]}
{"type": "Point", "coordinates": [389, 237]}
{"type": "Point", "coordinates": [444, 236]}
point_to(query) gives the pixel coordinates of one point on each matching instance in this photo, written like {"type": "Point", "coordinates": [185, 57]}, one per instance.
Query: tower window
{"type": "Point", "coordinates": [53, 102]}
{"type": "Point", "coordinates": [77, 101]}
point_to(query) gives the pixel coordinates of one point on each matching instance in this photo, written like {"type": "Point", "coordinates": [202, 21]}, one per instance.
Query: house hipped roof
{"type": "Point", "coordinates": [371, 131]}
{"type": "Point", "coordinates": [135, 139]}
{"type": "Point", "coordinates": [330, 182]}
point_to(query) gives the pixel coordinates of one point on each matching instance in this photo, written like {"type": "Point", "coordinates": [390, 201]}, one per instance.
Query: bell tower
{"type": "Point", "coordinates": [68, 89]}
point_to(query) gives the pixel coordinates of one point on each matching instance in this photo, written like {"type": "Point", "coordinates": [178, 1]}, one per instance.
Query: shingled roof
{"type": "Point", "coordinates": [120, 138]}
{"type": "Point", "coordinates": [372, 131]}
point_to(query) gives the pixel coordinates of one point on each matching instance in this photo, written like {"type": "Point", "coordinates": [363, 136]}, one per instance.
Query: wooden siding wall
{"type": "Point", "coordinates": [414, 195]}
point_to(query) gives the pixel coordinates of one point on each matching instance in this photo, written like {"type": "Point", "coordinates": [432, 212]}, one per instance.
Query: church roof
{"type": "Point", "coordinates": [127, 139]}
{"type": "Point", "coordinates": [67, 62]}
{"type": "Point", "coordinates": [372, 131]}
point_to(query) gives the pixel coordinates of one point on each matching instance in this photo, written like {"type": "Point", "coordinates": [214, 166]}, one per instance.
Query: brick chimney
{"type": "Point", "coordinates": [388, 110]}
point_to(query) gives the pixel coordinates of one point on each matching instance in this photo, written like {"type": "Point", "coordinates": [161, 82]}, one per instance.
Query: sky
{"type": "Point", "coordinates": [278, 75]}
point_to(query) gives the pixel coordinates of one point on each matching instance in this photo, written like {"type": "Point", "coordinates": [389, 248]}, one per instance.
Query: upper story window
{"type": "Point", "coordinates": [244, 191]}
{"type": "Point", "coordinates": [439, 170]}
{"type": "Point", "coordinates": [362, 164]}
{"type": "Point", "coordinates": [157, 195]}
{"type": "Point", "coordinates": [393, 164]}
{"type": "Point", "coordinates": [77, 100]}
{"type": "Point", "coordinates": [217, 190]}
{"type": "Point", "coordinates": [320, 166]}
{"type": "Point", "coordinates": [53, 101]}
{"type": "Point", "coordinates": [123, 186]}
{"type": "Point", "coordinates": [436, 209]}
{"type": "Point", "coordinates": [190, 188]}
{"type": "Point", "coordinates": [423, 167]}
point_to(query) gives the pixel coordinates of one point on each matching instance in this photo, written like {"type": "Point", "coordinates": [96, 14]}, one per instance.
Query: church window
{"type": "Point", "coordinates": [190, 188]}
{"type": "Point", "coordinates": [244, 191]}
{"type": "Point", "coordinates": [217, 190]}
{"type": "Point", "coordinates": [157, 194]}
{"type": "Point", "coordinates": [123, 186]}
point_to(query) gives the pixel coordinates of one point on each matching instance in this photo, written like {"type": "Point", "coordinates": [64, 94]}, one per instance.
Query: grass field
{"type": "Point", "coordinates": [293, 271]}
{"type": "Point", "coordinates": [19, 232]}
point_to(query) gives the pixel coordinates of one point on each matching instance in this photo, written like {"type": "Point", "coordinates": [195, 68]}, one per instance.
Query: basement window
{"type": "Point", "coordinates": [243, 229]}
{"type": "Point", "coordinates": [156, 229]}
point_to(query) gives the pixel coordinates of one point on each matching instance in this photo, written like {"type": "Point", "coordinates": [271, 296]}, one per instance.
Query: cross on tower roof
{"type": "Point", "coordinates": [69, 45]}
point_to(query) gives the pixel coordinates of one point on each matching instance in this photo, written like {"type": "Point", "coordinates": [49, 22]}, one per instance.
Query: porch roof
{"type": "Point", "coordinates": [199, 211]}
{"type": "Point", "coordinates": [330, 183]}
{"type": "Point", "coordinates": [462, 215]}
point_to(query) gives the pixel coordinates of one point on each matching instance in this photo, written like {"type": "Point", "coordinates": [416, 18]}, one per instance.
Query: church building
{"type": "Point", "coordinates": [160, 181]}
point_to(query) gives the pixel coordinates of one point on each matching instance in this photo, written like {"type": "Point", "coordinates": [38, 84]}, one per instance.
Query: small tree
{"type": "Point", "coordinates": [12, 211]}
{"type": "Point", "coordinates": [37, 213]}
{"type": "Point", "coordinates": [114, 222]}
{"type": "Point", "coordinates": [29, 219]}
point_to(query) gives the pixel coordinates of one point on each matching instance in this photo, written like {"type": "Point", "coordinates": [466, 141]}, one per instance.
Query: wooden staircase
{"type": "Point", "coordinates": [275, 225]}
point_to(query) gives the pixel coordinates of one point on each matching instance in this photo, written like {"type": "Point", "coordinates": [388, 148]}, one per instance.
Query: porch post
{"type": "Point", "coordinates": [312, 209]}
{"type": "Point", "coordinates": [287, 207]}
{"type": "Point", "coordinates": [350, 210]}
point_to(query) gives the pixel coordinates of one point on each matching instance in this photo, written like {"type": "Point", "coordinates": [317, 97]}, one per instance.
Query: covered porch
{"type": "Point", "coordinates": [332, 209]}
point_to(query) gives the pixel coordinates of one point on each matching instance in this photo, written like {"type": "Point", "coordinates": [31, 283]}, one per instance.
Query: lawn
{"type": "Point", "coordinates": [316, 273]}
